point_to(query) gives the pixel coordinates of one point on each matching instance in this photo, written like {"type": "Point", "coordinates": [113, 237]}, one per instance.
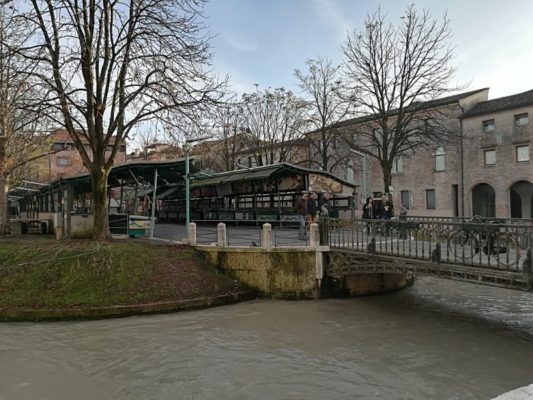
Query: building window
{"type": "Point", "coordinates": [489, 125]}
{"type": "Point", "coordinates": [429, 124]}
{"type": "Point", "coordinates": [397, 166]}
{"type": "Point", "coordinates": [521, 119]}
{"type": "Point", "coordinates": [430, 199]}
{"type": "Point", "coordinates": [522, 153]}
{"type": "Point", "coordinates": [63, 161]}
{"type": "Point", "coordinates": [440, 159]}
{"type": "Point", "coordinates": [58, 146]}
{"type": "Point", "coordinates": [490, 157]}
{"type": "Point", "coordinates": [405, 198]}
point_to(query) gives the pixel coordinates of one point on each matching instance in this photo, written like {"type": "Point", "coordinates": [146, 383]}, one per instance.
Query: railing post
{"type": "Point", "coordinates": [221, 235]}
{"type": "Point", "coordinates": [314, 235]}
{"type": "Point", "coordinates": [192, 234]}
{"type": "Point", "coordinates": [266, 242]}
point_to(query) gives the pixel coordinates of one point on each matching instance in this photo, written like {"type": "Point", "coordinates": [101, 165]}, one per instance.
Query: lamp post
{"type": "Point", "coordinates": [364, 170]}
{"type": "Point", "coordinates": [187, 180]}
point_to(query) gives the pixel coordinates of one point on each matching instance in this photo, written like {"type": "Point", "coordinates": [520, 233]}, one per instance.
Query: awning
{"type": "Point", "coordinates": [212, 180]}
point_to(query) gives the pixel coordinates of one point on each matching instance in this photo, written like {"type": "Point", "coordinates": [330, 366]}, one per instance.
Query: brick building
{"type": "Point", "coordinates": [157, 152]}
{"type": "Point", "coordinates": [497, 157]}
{"type": "Point", "coordinates": [483, 168]}
{"type": "Point", "coordinates": [60, 158]}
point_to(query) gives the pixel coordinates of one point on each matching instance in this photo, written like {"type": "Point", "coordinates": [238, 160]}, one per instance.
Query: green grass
{"type": "Point", "coordinates": [58, 274]}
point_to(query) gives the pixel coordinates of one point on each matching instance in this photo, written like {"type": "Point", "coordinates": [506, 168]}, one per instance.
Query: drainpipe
{"type": "Point", "coordinates": [462, 212]}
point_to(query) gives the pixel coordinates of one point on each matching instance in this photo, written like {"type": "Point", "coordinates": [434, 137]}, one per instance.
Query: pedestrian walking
{"type": "Point", "coordinates": [312, 209]}
{"type": "Point", "coordinates": [368, 212]}
{"type": "Point", "coordinates": [301, 212]}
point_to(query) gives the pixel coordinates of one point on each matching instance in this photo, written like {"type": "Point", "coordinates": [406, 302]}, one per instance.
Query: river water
{"type": "Point", "coordinates": [436, 340]}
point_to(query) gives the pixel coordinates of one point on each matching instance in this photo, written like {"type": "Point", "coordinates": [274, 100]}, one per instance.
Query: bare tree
{"type": "Point", "coordinates": [230, 135]}
{"type": "Point", "coordinates": [329, 105]}
{"type": "Point", "coordinates": [113, 65]}
{"type": "Point", "coordinates": [275, 120]}
{"type": "Point", "coordinates": [393, 68]}
{"type": "Point", "coordinates": [21, 123]}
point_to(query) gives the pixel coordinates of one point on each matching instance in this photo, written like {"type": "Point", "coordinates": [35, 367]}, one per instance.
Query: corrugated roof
{"type": "Point", "coordinates": [261, 173]}
{"type": "Point", "coordinates": [500, 104]}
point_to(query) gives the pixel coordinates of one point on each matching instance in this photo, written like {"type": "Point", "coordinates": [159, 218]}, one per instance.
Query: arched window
{"type": "Point", "coordinates": [440, 159]}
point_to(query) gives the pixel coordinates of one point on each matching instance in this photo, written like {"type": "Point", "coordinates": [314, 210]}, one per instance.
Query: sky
{"type": "Point", "coordinates": [263, 41]}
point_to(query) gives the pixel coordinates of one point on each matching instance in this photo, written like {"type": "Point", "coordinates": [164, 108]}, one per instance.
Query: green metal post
{"type": "Point", "coordinates": [152, 225]}
{"type": "Point", "coordinates": [187, 199]}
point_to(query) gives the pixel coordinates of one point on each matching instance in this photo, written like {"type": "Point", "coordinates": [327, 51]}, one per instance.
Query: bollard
{"type": "Point", "coordinates": [314, 235]}
{"type": "Point", "coordinates": [267, 236]}
{"type": "Point", "coordinates": [221, 235]}
{"type": "Point", "coordinates": [192, 234]}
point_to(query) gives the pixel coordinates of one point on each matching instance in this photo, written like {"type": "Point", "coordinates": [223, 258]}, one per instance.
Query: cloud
{"type": "Point", "coordinates": [239, 43]}
{"type": "Point", "coordinates": [333, 16]}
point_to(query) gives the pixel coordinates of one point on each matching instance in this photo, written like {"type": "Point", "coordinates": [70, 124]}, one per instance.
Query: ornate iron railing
{"type": "Point", "coordinates": [488, 244]}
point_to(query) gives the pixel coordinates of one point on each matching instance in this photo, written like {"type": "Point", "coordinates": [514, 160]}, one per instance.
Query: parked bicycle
{"type": "Point", "coordinates": [474, 236]}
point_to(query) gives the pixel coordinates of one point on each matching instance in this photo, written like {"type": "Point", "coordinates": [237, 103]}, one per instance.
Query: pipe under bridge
{"type": "Point", "coordinates": [494, 252]}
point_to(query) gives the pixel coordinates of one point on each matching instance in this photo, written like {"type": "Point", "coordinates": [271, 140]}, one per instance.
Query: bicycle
{"type": "Point", "coordinates": [473, 236]}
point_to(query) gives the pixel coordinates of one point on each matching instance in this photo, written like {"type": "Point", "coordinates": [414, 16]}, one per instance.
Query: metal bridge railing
{"type": "Point", "coordinates": [476, 243]}
{"type": "Point", "coordinates": [244, 236]}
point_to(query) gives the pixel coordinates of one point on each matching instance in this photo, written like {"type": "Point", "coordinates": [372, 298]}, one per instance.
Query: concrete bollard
{"type": "Point", "coordinates": [221, 235]}
{"type": "Point", "coordinates": [267, 236]}
{"type": "Point", "coordinates": [314, 235]}
{"type": "Point", "coordinates": [192, 234]}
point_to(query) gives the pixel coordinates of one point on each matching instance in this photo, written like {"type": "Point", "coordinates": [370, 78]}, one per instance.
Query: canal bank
{"type": "Point", "coordinates": [45, 279]}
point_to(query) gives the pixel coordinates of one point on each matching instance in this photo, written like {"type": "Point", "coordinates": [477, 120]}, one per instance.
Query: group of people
{"type": "Point", "coordinates": [308, 208]}
{"type": "Point", "coordinates": [381, 209]}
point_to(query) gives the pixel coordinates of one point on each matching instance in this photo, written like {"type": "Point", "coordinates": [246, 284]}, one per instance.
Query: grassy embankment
{"type": "Point", "coordinates": [41, 273]}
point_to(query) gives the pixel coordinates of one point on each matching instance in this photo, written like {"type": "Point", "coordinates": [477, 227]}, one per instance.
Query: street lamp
{"type": "Point", "coordinates": [363, 171]}
{"type": "Point", "coordinates": [187, 179]}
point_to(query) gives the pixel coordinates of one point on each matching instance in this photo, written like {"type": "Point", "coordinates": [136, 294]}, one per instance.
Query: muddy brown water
{"type": "Point", "coordinates": [436, 340]}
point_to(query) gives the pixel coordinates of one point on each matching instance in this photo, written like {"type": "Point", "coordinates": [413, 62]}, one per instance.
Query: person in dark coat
{"type": "Point", "coordinates": [312, 209]}
{"type": "Point", "coordinates": [301, 212]}
{"type": "Point", "coordinates": [368, 212]}
{"type": "Point", "coordinates": [368, 208]}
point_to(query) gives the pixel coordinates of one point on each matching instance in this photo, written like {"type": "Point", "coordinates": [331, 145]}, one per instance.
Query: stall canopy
{"type": "Point", "coordinates": [168, 172]}
{"type": "Point", "coordinates": [266, 172]}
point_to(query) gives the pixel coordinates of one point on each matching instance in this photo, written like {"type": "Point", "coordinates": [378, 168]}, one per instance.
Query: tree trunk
{"type": "Point", "coordinates": [99, 187]}
{"type": "Point", "coordinates": [387, 179]}
{"type": "Point", "coordinates": [4, 208]}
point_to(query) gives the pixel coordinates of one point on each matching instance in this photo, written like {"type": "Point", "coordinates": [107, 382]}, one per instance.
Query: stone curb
{"type": "Point", "coordinates": [25, 315]}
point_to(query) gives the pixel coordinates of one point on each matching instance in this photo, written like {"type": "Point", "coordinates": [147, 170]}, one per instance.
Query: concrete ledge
{"type": "Point", "coordinates": [248, 249]}
{"type": "Point", "coordinates": [277, 272]}
{"type": "Point", "coordinates": [124, 310]}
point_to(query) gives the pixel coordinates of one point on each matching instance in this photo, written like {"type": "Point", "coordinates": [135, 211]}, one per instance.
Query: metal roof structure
{"type": "Point", "coordinates": [168, 172]}
{"type": "Point", "coordinates": [262, 172]}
